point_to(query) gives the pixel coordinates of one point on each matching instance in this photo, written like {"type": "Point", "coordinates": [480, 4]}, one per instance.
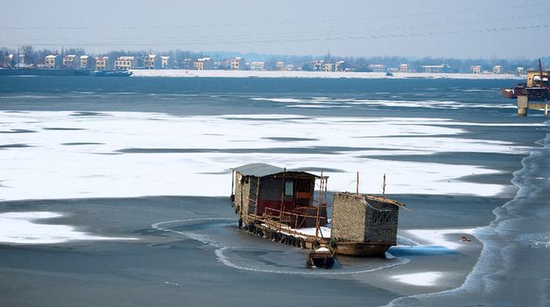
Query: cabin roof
{"type": "Point", "coordinates": [263, 169]}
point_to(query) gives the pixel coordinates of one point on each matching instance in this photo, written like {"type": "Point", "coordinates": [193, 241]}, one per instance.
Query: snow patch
{"type": "Point", "coordinates": [424, 279]}
{"type": "Point", "coordinates": [19, 228]}
{"type": "Point", "coordinates": [311, 74]}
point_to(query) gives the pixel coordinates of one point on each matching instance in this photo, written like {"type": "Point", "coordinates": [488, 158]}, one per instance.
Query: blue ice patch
{"type": "Point", "coordinates": [419, 250]}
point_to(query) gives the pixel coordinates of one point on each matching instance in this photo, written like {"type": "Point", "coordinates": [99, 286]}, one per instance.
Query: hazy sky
{"type": "Point", "coordinates": [438, 28]}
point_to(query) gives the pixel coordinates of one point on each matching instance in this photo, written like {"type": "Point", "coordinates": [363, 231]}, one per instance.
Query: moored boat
{"type": "Point", "coordinates": [321, 257]}
{"type": "Point", "coordinates": [279, 205]}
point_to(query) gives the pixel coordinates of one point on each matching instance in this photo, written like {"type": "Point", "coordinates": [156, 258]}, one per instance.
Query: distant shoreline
{"type": "Point", "coordinates": [182, 73]}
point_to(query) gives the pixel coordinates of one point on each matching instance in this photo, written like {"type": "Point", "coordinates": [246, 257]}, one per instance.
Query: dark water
{"type": "Point", "coordinates": [213, 96]}
{"type": "Point", "coordinates": [204, 261]}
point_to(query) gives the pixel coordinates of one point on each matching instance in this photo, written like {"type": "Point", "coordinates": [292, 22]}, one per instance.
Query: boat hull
{"type": "Point", "coordinates": [532, 93]}
{"type": "Point", "coordinates": [44, 72]}
{"type": "Point", "coordinates": [323, 260]}
{"type": "Point", "coordinates": [354, 249]}
{"type": "Point", "coordinates": [111, 73]}
{"type": "Point", "coordinates": [362, 249]}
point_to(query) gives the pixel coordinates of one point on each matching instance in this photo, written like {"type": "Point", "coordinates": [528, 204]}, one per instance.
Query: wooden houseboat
{"type": "Point", "coordinates": [284, 206]}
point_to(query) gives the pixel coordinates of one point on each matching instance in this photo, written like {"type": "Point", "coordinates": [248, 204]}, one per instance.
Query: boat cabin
{"type": "Point", "coordinates": [262, 191]}
{"type": "Point", "coordinates": [537, 78]}
{"type": "Point", "coordinates": [364, 225]}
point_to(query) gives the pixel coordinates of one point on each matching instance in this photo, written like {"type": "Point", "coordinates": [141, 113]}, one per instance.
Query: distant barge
{"type": "Point", "coordinates": [43, 72]}
{"type": "Point", "coordinates": [111, 73]}
{"type": "Point", "coordinates": [63, 72]}
{"type": "Point", "coordinates": [280, 205]}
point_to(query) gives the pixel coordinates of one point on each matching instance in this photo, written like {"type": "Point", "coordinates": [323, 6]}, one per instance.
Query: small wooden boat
{"type": "Point", "coordinates": [321, 257]}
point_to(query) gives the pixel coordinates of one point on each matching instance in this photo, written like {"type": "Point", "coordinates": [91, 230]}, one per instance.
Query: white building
{"type": "Point", "coordinates": [238, 63]}
{"type": "Point", "coordinates": [327, 67]}
{"type": "Point", "coordinates": [152, 61]}
{"type": "Point", "coordinates": [126, 63]}
{"type": "Point", "coordinates": [340, 66]}
{"type": "Point", "coordinates": [377, 67]}
{"type": "Point", "coordinates": [433, 68]}
{"type": "Point", "coordinates": [52, 61]}
{"type": "Point", "coordinates": [103, 63]}
{"type": "Point", "coordinates": [520, 71]}
{"type": "Point", "coordinates": [497, 69]}
{"type": "Point", "coordinates": [204, 64]}
{"type": "Point", "coordinates": [404, 68]}
{"type": "Point", "coordinates": [86, 62]}
{"type": "Point", "coordinates": [257, 66]}
{"type": "Point", "coordinates": [476, 69]}
{"type": "Point", "coordinates": [165, 62]}
{"type": "Point", "coordinates": [70, 61]}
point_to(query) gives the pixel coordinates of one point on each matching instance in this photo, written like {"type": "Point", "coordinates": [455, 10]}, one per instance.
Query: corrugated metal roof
{"type": "Point", "coordinates": [258, 169]}
{"type": "Point", "coordinates": [263, 169]}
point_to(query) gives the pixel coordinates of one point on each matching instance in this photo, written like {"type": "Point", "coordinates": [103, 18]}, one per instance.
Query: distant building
{"type": "Point", "coordinates": [187, 64]}
{"type": "Point", "coordinates": [257, 66]}
{"type": "Point", "coordinates": [165, 62]}
{"type": "Point", "coordinates": [126, 63]}
{"type": "Point", "coordinates": [327, 67]}
{"type": "Point", "coordinates": [152, 61]}
{"type": "Point", "coordinates": [70, 61]}
{"type": "Point", "coordinates": [476, 69]}
{"type": "Point", "coordinates": [9, 61]}
{"type": "Point", "coordinates": [433, 68]}
{"type": "Point", "coordinates": [204, 64]}
{"type": "Point", "coordinates": [317, 65]}
{"type": "Point", "coordinates": [280, 66]}
{"type": "Point", "coordinates": [404, 68]}
{"type": "Point", "coordinates": [238, 63]}
{"type": "Point", "coordinates": [377, 67]}
{"type": "Point", "coordinates": [289, 67]}
{"type": "Point", "coordinates": [497, 69]}
{"type": "Point", "coordinates": [520, 71]}
{"type": "Point", "coordinates": [103, 63]}
{"type": "Point", "coordinates": [86, 62]}
{"type": "Point", "coordinates": [52, 61]}
{"type": "Point", "coordinates": [340, 66]}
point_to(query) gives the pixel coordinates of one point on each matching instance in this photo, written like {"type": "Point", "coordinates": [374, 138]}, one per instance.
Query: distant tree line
{"type": "Point", "coordinates": [36, 57]}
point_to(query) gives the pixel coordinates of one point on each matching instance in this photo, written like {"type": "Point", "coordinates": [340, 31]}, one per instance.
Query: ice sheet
{"type": "Point", "coordinates": [123, 154]}
{"type": "Point", "coordinates": [20, 228]}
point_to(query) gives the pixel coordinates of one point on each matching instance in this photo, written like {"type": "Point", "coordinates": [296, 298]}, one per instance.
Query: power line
{"type": "Point", "coordinates": [492, 9]}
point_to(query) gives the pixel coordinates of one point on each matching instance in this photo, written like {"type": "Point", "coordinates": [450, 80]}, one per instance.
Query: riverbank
{"type": "Point", "coordinates": [181, 73]}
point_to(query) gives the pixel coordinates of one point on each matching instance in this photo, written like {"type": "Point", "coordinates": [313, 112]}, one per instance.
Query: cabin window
{"type": "Point", "coordinates": [289, 188]}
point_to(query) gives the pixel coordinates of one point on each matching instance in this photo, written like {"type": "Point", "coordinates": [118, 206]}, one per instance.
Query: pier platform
{"type": "Point", "coordinates": [524, 104]}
